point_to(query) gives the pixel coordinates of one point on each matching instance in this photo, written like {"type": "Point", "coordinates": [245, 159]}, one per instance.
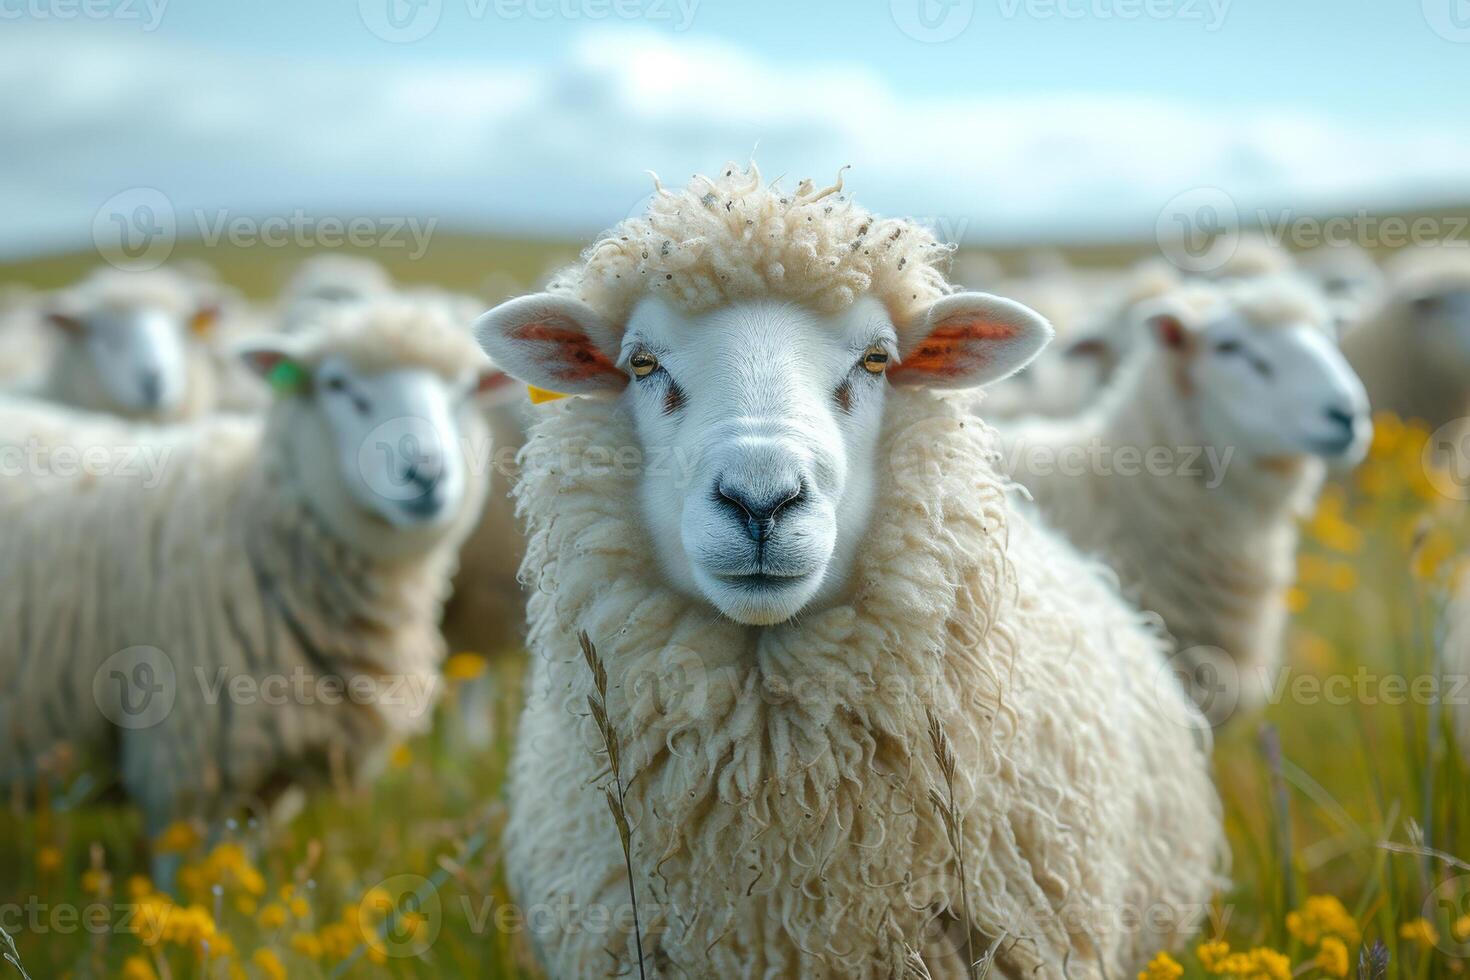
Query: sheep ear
{"type": "Point", "coordinates": [204, 319]}
{"type": "Point", "coordinates": [1170, 326]}
{"type": "Point", "coordinates": [493, 386]}
{"type": "Point", "coordinates": [66, 322]}
{"type": "Point", "coordinates": [552, 342]}
{"type": "Point", "coordinates": [276, 364]}
{"type": "Point", "coordinates": [971, 339]}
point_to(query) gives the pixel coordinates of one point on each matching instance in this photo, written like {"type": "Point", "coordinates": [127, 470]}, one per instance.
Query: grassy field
{"type": "Point", "coordinates": [403, 879]}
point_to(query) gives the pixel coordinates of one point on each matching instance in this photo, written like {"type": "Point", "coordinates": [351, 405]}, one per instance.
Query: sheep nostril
{"type": "Point", "coordinates": [1342, 418]}
{"type": "Point", "coordinates": [152, 385]}
{"type": "Point", "coordinates": [757, 513]}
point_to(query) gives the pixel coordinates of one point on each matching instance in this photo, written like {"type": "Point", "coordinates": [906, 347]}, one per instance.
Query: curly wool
{"type": "Point", "coordinates": [732, 237]}
{"type": "Point", "coordinates": [780, 810]}
{"type": "Point", "coordinates": [1214, 562]}
{"type": "Point", "coordinates": [222, 564]}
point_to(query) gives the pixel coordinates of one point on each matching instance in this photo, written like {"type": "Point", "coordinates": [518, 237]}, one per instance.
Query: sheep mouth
{"type": "Point", "coordinates": [763, 581]}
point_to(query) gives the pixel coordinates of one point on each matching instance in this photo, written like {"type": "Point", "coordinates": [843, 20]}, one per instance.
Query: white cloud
{"type": "Point", "coordinates": [562, 147]}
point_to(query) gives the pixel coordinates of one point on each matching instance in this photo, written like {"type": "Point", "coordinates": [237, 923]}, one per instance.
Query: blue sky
{"type": "Point", "coordinates": [1036, 118]}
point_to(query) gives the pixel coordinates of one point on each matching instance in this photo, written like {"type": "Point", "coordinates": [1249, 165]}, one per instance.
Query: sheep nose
{"type": "Point", "coordinates": [1342, 418]}
{"type": "Point", "coordinates": [757, 507]}
{"type": "Point", "coordinates": [151, 383]}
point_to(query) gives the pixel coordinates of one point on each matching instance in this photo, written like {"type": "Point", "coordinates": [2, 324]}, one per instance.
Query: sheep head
{"type": "Point", "coordinates": [758, 421]}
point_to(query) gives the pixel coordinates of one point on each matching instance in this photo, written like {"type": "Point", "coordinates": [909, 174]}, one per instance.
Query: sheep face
{"type": "Point", "coordinates": [1441, 318]}
{"type": "Point", "coordinates": [382, 456]}
{"type": "Point", "coordinates": [759, 422]}
{"type": "Point", "coordinates": [139, 356]}
{"type": "Point", "coordinates": [1267, 391]}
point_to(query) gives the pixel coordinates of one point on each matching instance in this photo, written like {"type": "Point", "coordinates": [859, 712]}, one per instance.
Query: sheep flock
{"type": "Point", "coordinates": [882, 609]}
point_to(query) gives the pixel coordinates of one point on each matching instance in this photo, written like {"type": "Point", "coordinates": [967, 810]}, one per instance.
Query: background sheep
{"type": "Point", "coordinates": [313, 544]}
{"type": "Point", "coordinates": [781, 819]}
{"type": "Point", "coordinates": [1190, 475]}
{"type": "Point", "coordinates": [328, 280]}
{"type": "Point", "coordinates": [1413, 350]}
{"type": "Point", "coordinates": [27, 345]}
{"type": "Point", "coordinates": [132, 344]}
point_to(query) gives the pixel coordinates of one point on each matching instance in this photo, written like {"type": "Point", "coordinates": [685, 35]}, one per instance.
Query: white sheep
{"type": "Point", "coordinates": [272, 584]}
{"type": "Point", "coordinates": [328, 280]}
{"type": "Point", "coordinates": [1349, 278]}
{"type": "Point", "coordinates": [134, 344]}
{"type": "Point", "coordinates": [27, 345]}
{"type": "Point", "coordinates": [1413, 349]}
{"type": "Point", "coordinates": [1189, 475]}
{"type": "Point", "coordinates": [789, 549]}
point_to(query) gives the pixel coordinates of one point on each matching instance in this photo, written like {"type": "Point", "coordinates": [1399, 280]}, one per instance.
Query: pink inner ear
{"type": "Point", "coordinates": [957, 346]}
{"type": "Point", "coordinates": [493, 381]}
{"type": "Point", "coordinates": [574, 356]}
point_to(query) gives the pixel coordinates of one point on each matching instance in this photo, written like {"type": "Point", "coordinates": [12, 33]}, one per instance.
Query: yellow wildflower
{"type": "Point", "coordinates": [138, 968]}
{"type": "Point", "coordinates": [1323, 915]}
{"type": "Point", "coordinates": [139, 887]}
{"type": "Point", "coordinates": [269, 964]}
{"type": "Point", "coordinates": [48, 859]}
{"type": "Point", "coordinates": [1461, 929]}
{"type": "Point", "coordinates": [1297, 599]}
{"type": "Point", "coordinates": [337, 940]}
{"type": "Point", "coordinates": [247, 905]}
{"type": "Point", "coordinates": [464, 666]}
{"type": "Point", "coordinates": [401, 757]}
{"type": "Point", "coordinates": [1332, 957]}
{"type": "Point", "coordinates": [95, 881]}
{"type": "Point", "coordinates": [1211, 954]}
{"type": "Point", "coordinates": [273, 916]}
{"type": "Point", "coordinates": [306, 944]}
{"type": "Point", "coordinates": [1419, 931]}
{"type": "Point", "coordinates": [177, 837]}
{"type": "Point", "coordinates": [299, 907]}
{"type": "Point", "coordinates": [1161, 967]}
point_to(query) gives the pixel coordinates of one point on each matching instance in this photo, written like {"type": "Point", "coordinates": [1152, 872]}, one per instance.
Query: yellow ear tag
{"type": "Point", "coordinates": [539, 395]}
{"type": "Point", "coordinates": [202, 322]}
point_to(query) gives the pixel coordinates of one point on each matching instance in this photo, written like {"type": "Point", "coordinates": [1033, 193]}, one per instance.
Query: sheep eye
{"type": "Point", "coordinates": [643, 363]}
{"type": "Point", "coordinates": [875, 360]}
{"type": "Point", "coordinates": [1228, 347]}
{"type": "Point", "coordinates": [336, 384]}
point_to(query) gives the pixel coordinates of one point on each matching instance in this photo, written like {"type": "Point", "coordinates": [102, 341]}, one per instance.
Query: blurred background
{"type": "Point", "coordinates": [481, 136]}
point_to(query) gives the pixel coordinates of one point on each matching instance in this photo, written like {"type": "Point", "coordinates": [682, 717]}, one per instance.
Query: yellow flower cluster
{"type": "Point", "coordinates": [464, 667]}
{"type": "Point", "coordinates": [1261, 963]}
{"type": "Point", "coordinates": [1421, 932]}
{"type": "Point", "coordinates": [1161, 967]}
{"type": "Point", "coordinates": [226, 866]}
{"type": "Point", "coordinates": [1320, 916]}
{"type": "Point", "coordinates": [1332, 957]}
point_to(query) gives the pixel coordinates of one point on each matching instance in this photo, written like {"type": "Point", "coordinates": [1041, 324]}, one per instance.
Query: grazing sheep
{"type": "Point", "coordinates": [1413, 349]}
{"type": "Point", "coordinates": [130, 345]}
{"type": "Point", "coordinates": [328, 280]}
{"type": "Point", "coordinates": [300, 557]}
{"type": "Point", "coordinates": [1189, 475]}
{"type": "Point", "coordinates": [1349, 279]}
{"type": "Point", "coordinates": [789, 549]}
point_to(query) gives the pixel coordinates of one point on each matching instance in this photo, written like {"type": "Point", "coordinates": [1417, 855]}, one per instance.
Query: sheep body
{"type": "Point", "coordinates": [780, 814]}
{"type": "Point", "coordinates": [219, 561]}
{"type": "Point", "coordinates": [778, 777]}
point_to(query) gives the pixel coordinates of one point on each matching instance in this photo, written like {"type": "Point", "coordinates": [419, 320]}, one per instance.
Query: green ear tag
{"type": "Point", "coordinates": [288, 378]}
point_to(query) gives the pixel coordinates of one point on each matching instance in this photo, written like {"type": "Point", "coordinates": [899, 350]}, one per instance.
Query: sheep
{"type": "Point", "coordinates": [1348, 277]}
{"type": "Point", "coordinates": [327, 280]}
{"type": "Point", "coordinates": [790, 550]}
{"type": "Point", "coordinates": [276, 581]}
{"type": "Point", "coordinates": [131, 344]}
{"type": "Point", "coordinates": [26, 345]}
{"type": "Point", "coordinates": [1413, 349]}
{"type": "Point", "coordinates": [1189, 475]}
